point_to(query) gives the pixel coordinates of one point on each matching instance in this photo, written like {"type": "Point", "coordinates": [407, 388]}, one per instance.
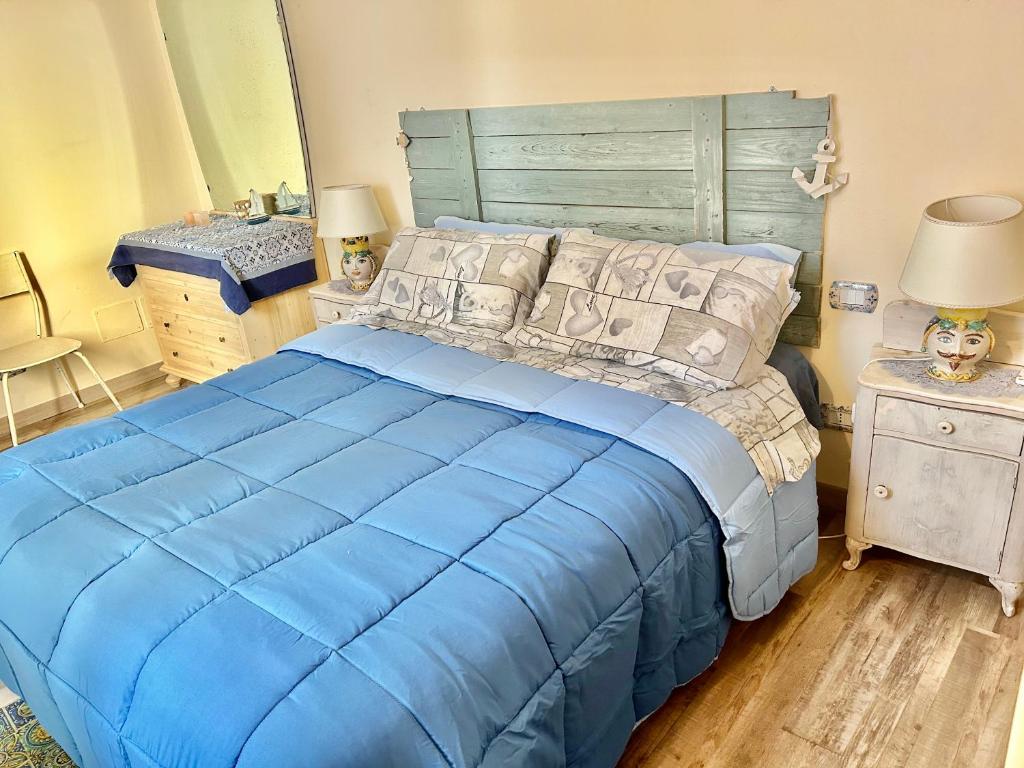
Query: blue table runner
{"type": "Point", "coordinates": [250, 261]}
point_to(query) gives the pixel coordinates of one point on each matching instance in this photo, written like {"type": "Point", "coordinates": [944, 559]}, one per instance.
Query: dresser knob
{"type": "Point", "coordinates": [336, 315]}
{"type": "Point", "coordinates": [174, 354]}
{"type": "Point", "coordinates": [881, 492]}
{"type": "Point", "coordinates": [185, 296]}
{"type": "Point", "coordinates": [221, 339]}
{"type": "Point", "coordinates": [167, 325]}
{"type": "Point", "coordinates": [946, 427]}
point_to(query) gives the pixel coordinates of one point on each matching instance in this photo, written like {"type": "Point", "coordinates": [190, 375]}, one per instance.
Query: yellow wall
{"type": "Point", "coordinates": [927, 101]}
{"type": "Point", "coordinates": [232, 74]}
{"type": "Point", "coordinates": [92, 144]}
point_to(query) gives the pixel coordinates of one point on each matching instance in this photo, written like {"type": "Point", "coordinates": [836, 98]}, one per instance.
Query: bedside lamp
{"type": "Point", "coordinates": [968, 255]}
{"type": "Point", "coordinates": [350, 212]}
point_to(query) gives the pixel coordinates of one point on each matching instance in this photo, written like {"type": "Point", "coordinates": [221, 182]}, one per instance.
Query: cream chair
{"type": "Point", "coordinates": [44, 348]}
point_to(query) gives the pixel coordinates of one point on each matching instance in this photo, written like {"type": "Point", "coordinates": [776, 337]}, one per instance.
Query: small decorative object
{"type": "Point", "coordinates": [956, 339]}
{"type": "Point", "coordinates": [242, 209]}
{"type": "Point", "coordinates": [286, 202]}
{"type": "Point", "coordinates": [822, 183]}
{"type": "Point", "coordinates": [257, 213]}
{"type": "Point", "coordinates": [358, 262]}
{"type": "Point", "coordinates": [853, 296]}
{"type": "Point", "coordinates": [197, 218]}
{"type": "Point", "coordinates": [351, 213]}
{"type": "Point", "coordinates": [968, 255]}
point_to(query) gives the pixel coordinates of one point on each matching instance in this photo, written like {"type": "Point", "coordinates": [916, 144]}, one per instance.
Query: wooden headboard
{"type": "Point", "coordinates": [673, 170]}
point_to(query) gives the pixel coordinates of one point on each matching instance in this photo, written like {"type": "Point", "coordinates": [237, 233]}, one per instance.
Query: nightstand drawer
{"type": "Point", "coordinates": [330, 311]}
{"type": "Point", "coordinates": [941, 503]}
{"type": "Point", "coordinates": [969, 429]}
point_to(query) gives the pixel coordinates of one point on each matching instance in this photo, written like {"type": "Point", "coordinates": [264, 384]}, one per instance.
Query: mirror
{"type": "Point", "coordinates": [232, 64]}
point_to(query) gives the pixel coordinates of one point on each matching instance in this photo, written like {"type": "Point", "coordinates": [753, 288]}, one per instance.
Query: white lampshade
{"type": "Point", "coordinates": [968, 252]}
{"type": "Point", "coordinates": [349, 210]}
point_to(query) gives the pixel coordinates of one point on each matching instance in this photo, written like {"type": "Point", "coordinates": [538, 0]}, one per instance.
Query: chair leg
{"type": "Point", "coordinates": [63, 371]}
{"type": "Point", "coordinates": [10, 407]}
{"type": "Point", "coordinates": [99, 378]}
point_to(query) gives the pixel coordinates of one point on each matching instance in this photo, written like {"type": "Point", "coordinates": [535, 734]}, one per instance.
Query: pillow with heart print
{"type": "Point", "coordinates": [466, 282]}
{"type": "Point", "coordinates": [700, 314]}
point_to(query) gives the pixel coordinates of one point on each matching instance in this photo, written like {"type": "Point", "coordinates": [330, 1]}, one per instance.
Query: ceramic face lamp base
{"type": "Point", "coordinates": [957, 340]}
{"type": "Point", "coordinates": [358, 262]}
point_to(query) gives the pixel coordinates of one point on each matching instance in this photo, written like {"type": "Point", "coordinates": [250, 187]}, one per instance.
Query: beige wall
{"type": "Point", "coordinates": [232, 75]}
{"type": "Point", "coordinates": [92, 144]}
{"type": "Point", "coordinates": [927, 101]}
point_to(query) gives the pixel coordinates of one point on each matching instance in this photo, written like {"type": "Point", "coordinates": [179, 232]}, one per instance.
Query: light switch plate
{"type": "Point", "coordinates": [853, 296]}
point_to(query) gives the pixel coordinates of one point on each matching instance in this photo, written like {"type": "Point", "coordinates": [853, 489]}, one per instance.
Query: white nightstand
{"type": "Point", "coordinates": [935, 468]}
{"type": "Point", "coordinates": [332, 301]}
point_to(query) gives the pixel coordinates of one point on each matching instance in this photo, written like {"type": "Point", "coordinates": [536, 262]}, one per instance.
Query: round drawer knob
{"type": "Point", "coordinates": [221, 339]}
{"type": "Point", "coordinates": [174, 354]}
{"type": "Point", "coordinates": [882, 492]}
{"type": "Point", "coordinates": [336, 314]}
{"type": "Point", "coordinates": [946, 427]}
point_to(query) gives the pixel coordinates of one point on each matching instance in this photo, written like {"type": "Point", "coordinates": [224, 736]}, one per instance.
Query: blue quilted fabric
{"type": "Point", "coordinates": [304, 563]}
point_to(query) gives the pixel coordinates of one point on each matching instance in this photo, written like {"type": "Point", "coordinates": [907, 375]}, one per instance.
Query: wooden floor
{"type": "Point", "coordinates": [95, 410]}
{"type": "Point", "coordinates": [899, 663]}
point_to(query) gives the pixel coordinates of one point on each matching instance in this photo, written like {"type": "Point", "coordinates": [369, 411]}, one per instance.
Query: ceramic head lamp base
{"type": "Point", "coordinates": [358, 262]}
{"type": "Point", "coordinates": [957, 340]}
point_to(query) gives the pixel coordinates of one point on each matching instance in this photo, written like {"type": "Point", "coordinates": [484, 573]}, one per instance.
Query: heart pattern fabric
{"type": "Point", "coordinates": [470, 282]}
{"type": "Point", "coordinates": [709, 317]}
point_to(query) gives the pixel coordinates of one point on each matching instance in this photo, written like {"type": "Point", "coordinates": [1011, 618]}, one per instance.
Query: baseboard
{"type": "Point", "coordinates": [831, 499]}
{"type": "Point", "coordinates": [89, 394]}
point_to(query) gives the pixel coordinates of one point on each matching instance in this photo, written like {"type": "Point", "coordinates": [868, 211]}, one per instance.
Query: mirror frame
{"type": "Point", "coordinates": [283, 24]}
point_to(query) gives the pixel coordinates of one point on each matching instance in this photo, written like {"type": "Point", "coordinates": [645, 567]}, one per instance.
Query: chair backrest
{"type": "Point", "coordinates": [14, 280]}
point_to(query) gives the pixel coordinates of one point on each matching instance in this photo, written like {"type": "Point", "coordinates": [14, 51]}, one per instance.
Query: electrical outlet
{"type": "Point", "coordinates": [837, 416]}
{"type": "Point", "coordinates": [852, 296]}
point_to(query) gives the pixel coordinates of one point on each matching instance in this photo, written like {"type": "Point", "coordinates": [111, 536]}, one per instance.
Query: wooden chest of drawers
{"type": "Point", "coordinates": [200, 338]}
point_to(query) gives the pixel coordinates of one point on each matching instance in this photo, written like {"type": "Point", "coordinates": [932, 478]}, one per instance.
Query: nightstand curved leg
{"type": "Point", "coordinates": [1009, 591]}
{"type": "Point", "coordinates": [855, 547]}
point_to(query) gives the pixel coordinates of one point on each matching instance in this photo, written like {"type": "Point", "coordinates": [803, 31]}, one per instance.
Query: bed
{"type": "Point", "coordinates": [384, 548]}
{"type": "Point", "coordinates": [518, 589]}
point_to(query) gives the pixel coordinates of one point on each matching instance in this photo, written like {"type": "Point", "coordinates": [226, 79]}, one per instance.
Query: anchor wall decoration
{"type": "Point", "coordinates": [822, 183]}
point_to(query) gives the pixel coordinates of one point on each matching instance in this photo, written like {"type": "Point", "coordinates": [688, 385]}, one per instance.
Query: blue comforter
{"type": "Point", "coordinates": [305, 563]}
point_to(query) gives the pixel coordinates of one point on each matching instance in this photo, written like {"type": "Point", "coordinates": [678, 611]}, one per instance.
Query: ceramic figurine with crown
{"type": "Point", "coordinates": [358, 263]}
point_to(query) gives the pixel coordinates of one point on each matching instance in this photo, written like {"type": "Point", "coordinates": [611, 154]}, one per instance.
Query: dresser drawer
{"type": "Point", "coordinates": [969, 429]}
{"type": "Point", "coordinates": [216, 336]}
{"type": "Point", "coordinates": [196, 359]}
{"type": "Point", "coordinates": [941, 503]}
{"type": "Point", "coordinates": [327, 312]}
{"type": "Point", "coordinates": [196, 299]}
